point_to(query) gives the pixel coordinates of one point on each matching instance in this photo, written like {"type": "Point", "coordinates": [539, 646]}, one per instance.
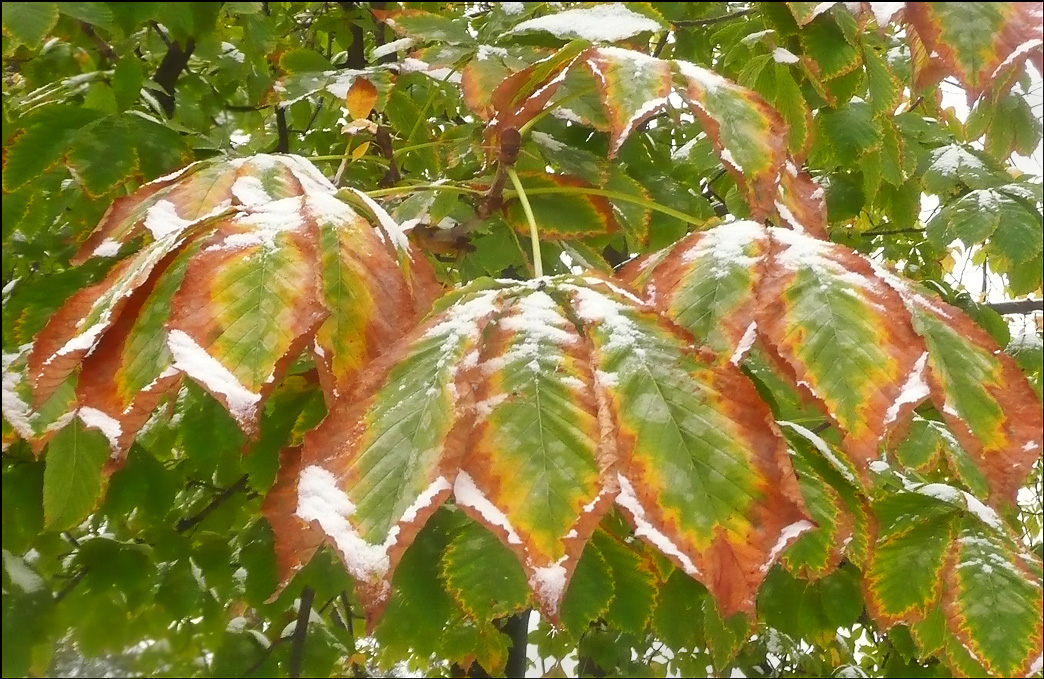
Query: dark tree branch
{"type": "Point", "coordinates": [384, 142]}
{"type": "Point", "coordinates": [356, 51]}
{"type": "Point", "coordinates": [169, 70]}
{"type": "Point", "coordinates": [517, 629]}
{"type": "Point", "coordinates": [297, 649]}
{"type": "Point", "coordinates": [1017, 306]}
{"type": "Point", "coordinates": [197, 518]}
{"type": "Point", "coordinates": [264, 656]}
{"type": "Point", "coordinates": [104, 48]}
{"type": "Point", "coordinates": [283, 145]}
{"type": "Point", "coordinates": [71, 585]}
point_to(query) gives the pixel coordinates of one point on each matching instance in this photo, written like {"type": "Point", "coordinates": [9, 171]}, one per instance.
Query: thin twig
{"type": "Point", "coordinates": [197, 518]}
{"type": "Point", "coordinates": [297, 649]}
{"type": "Point", "coordinates": [1017, 306]}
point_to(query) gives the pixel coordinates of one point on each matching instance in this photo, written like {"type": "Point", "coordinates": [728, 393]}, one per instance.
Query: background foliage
{"type": "Point", "coordinates": [166, 566]}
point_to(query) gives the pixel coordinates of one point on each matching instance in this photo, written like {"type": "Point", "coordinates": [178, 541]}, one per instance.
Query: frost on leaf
{"type": "Point", "coordinates": [527, 399]}
{"type": "Point", "coordinates": [246, 263]}
{"type": "Point", "coordinates": [981, 44]}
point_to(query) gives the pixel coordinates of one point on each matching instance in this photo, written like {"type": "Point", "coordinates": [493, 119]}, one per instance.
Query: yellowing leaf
{"type": "Point", "coordinates": [979, 43]}
{"type": "Point", "coordinates": [362, 95]}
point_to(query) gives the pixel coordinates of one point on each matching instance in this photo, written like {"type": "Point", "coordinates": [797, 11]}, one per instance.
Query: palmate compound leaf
{"type": "Point", "coordinates": [979, 43]}
{"type": "Point", "coordinates": [861, 341]}
{"type": "Point", "coordinates": [945, 564]}
{"type": "Point", "coordinates": [245, 264]}
{"type": "Point", "coordinates": [748, 134]}
{"type": "Point", "coordinates": [537, 405]}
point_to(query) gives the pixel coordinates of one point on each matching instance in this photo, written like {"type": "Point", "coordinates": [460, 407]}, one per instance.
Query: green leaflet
{"type": "Point", "coordinates": [483, 575]}
{"type": "Point", "coordinates": [952, 167]}
{"type": "Point", "coordinates": [884, 86]}
{"type": "Point", "coordinates": [354, 269]}
{"type": "Point", "coordinates": [841, 331]}
{"type": "Point", "coordinates": [145, 354]}
{"type": "Point", "coordinates": [905, 572]}
{"type": "Point", "coordinates": [634, 584]}
{"type": "Point", "coordinates": [993, 603]}
{"type": "Point", "coordinates": [829, 52]}
{"type": "Point", "coordinates": [246, 299]}
{"type": "Point", "coordinates": [634, 87]}
{"type": "Point", "coordinates": [72, 483]}
{"type": "Point", "coordinates": [29, 22]}
{"type": "Point", "coordinates": [972, 41]}
{"type": "Point", "coordinates": [561, 208]}
{"type": "Point", "coordinates": [687, 450]}
{"type": "Point", "coordinates": [945, 565]}
{"type": "Point", "coordinates": [929, 444]}
{"type": "Point", "coordinates": [849, 133]}
{"type": "Point", "coordinates": [817, 552]}
{"type": "Point", "coordinates": [707, 286]}
{"type": "Point", "coordinates": [44, 140]}
{"type": "Point", "coordinates": [427, 26]}
{"type": "Point", "coordinates": [537, 420]}
{"type": "Point", "coordinates": [811, 610]}
{"type": "Point", "coordinates": [978, 391]}
{"type": "Point", "coordinates": [678, 618]}
{"type": "Point", "coordinates": [748, 134]}
{"type": "Point", "coordinates": [590, 592]}
{"type": "Point", "coordinates": [410, 417]}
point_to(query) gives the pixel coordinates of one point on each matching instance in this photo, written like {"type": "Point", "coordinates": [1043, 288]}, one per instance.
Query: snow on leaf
{"type": "Point", "coordinates": [610, 22]}
{"type": "Point", "coordinates": [978, 43]}
{"type": "Point", "coordinates": [683, 424]}
{"type": "Point", "coordinates": [749, 135]}
{"type": "Point", "coordinates": [843, 334]}
{"type": "Point", "coordinates": [634, 87]}
{"type": "Point", "coordinates": [707, 282]}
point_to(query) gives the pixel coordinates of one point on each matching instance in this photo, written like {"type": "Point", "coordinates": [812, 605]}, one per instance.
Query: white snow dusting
{"type": "Point", "coordinates": [601, 23]}
{"type": "Point", "coordinates": [467, 494]}
{"type": "Point", "coordinates": [392, 47]}
{"type": "Point", "coordinates": [822, 447]}
{"type": "Point", "coordinates": [194, 361]}
{"type": "Point", "coordinates": [786, 536]}
{"type": "Point", "coordinates": [745, 343]}
{"type": "Point", "coordinates": [914, 390]}
{"type": "Point", "coordinates": [250, 191]}
{"type": "Point", "coordinates": [725, 247]}
{"type": "Point", "coordinates": [16, 411]}
{"type": "Point", "coordinates": [708, 80]}
{"type": "Point", "coordinates": [390, 226]}
{"type": "Point", "coordinates": [549, 583]}
{"type": "Point", "coordinates": [107, 248]}
{"type": "Point", "coordinates": [107, 425]}
{"type": "Point", "coordinates": [320, 499]}
{"type": "Point", "coordinates": [643, 529]}
{"type": "Point", "coordinates": [884, 11]}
